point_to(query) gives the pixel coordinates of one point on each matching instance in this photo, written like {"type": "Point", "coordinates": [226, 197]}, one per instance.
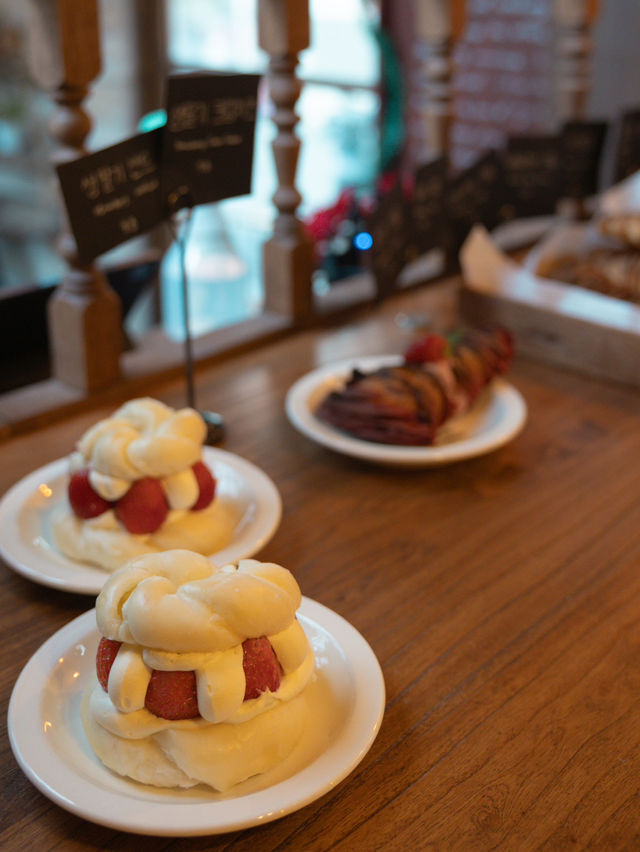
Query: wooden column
{"type": "Point", "coordinates": [439, 24]}
{"type": "Point", "coordinates": [84, 315]}
{"type": "Point", "coordinates": [288, 255]}
{"type": "Point", "coordinates": [574, 19]}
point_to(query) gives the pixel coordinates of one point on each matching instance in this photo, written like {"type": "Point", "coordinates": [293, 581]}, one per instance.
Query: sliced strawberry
{"type": "Point", "coordinates": [206, 484]}
{"type": "Point", "coordinates": [85, 502]}
{"type": "Point", "coordinates": [105, 655]}
{"type": "Point", "coordinates": [262, 671]}
{"type": "Point", "coordinates": [172, 695]}
{"type": "Point", "coordinates": [431, 347]}
{"type": "Point", "coordinates": [144, 507]}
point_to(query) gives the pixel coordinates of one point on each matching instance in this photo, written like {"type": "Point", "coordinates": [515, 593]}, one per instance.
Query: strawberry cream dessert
{"type": "Point", "coordinates": [138, 484]}
{"type": "Point", "coordinates": [204, 674]}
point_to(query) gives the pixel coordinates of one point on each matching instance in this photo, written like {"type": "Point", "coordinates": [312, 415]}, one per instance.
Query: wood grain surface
{"type": "Point", "coordinates": [500, 594]}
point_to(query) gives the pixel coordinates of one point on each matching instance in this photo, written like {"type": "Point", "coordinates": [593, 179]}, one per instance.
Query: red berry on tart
{"type": "Point", "coordinates": [262, 671]}
{"type": "Point", "coordinates": [105, 655]}
{"type": "Point", "coordinates": [206, 486]}
{"type": "Point", "coordinates": [173, 694]}
{"type": "Point", "coordinates": [144, 507]}
{"type": "Point", "coordinates": [430, 347]}
{"type": "Point", "coordinates": [85, 501]}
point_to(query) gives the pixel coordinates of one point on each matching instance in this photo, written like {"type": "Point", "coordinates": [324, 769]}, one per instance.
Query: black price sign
{"type": "Point", "coordinates": [204, 153]}
{"type": "Point", "coordinates": [531, 175]}
{"type": "Point", "coordinates": [425, 208]}
{"type": "Point", "coordinates": [474, 196]}
{"type": "Point", "coordinates": [113, 195]}
{"type": "Point", "coordinates": [628, 150]}
{"type": "Point", "coordinates": [388, 255]}
{"type": "Point", "coordinates": [208, 137]}
{"type": "Point", "coordinates": [581, 144]}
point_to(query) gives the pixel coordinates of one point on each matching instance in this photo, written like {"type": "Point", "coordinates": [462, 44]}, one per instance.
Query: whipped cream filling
{"type": "Point", "coordinates": [223, 755]}
{"type": "Point", "coordinates": [181, 489]}
{"type": "Point", "coordinates": [103, 541]}
{"type": "Point", "coordinates": [220, 685]}
{"type": "Point", "coordinates": [128, 679]}
{"type": "Point", "coordinates": [108, 521]}
{"type": "Point", "coordinates": [108, 487]}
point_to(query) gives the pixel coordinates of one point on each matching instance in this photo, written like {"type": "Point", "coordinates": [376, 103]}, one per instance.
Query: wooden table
{"type": "Point", "coordinates": [501, 596]}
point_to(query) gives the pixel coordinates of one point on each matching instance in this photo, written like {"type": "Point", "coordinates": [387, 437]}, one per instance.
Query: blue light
{"type": "Point", "coordinates": [363, 240]}
{"type": "Point", "coordinates": [152, 120]}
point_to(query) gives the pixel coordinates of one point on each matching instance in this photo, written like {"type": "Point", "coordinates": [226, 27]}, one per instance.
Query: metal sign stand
{"type": "Point", "coordinates": [180, 223]}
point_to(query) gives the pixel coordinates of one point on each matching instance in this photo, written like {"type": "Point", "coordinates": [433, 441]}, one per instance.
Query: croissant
{"type": "Point", "coordinates": [441, 377]}
{"type": "Point", "coordinates": [614, 272]}
{"type": "Point", "coordinates": [624, 227]}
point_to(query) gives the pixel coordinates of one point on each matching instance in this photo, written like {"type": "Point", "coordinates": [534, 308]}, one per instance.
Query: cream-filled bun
{"type": "Point", "coordinates": [201, 670]}
{"type": "Point", "coordinates": [138, 485]}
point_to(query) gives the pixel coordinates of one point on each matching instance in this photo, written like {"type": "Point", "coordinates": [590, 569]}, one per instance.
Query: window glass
{"type": "Point", "coordinates": [342, 46]}
{"type": "Point", "coordinates": [338, 111]}
{"type": "Point", "coordinates": [219, 34]}
{"type": "Point", "coordinates": [223, 34]}
{"type": "Point", "coordinates": [30, 210]}
{"type": "Point", "coordinates": [338, 116]}
{"type": "Point", "coordinates": [29, 216]}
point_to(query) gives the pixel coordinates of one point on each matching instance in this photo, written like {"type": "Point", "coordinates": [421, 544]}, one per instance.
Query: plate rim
{"type": "Point", "coordinates": [93, 577]}
{"type": "Point", "coordinates": [302, 418]}
{"type": "Point", "coordinates": [30, 746]}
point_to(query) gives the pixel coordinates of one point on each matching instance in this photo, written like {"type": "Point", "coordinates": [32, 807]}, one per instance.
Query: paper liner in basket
{"type": "Point", "coordinates": [489, 272]}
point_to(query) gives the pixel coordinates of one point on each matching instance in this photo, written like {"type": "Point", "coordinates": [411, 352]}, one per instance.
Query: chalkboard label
{"type": "Point", "coordinates": [628, 150]}
{"type": "Point", "coordinates": [388, 228]}
{"type": "Point", "coordinates": [208, 137]}
{"type": "Point", "coordinates": [113, 195]}
{"type": "Point", "coordinates": [425, 207]}
{"type": "Point", "coordinates": [582, 143]}
{"type": "Point", "coordinates": [474, 196]}
{"type": "Point", "coordinates": [531, 176]}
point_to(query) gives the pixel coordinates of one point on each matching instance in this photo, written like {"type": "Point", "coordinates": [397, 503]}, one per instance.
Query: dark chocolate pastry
{"type": "Point", "coordinates": [407, 404]}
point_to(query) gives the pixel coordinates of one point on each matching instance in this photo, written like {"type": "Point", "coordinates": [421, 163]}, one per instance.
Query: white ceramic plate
{"type": "Point", "coordinates": [497, 416]}
{"type": "Point", "coordinates": [48, 741]}
{"type": "Point", "coordinates": [26, 543]}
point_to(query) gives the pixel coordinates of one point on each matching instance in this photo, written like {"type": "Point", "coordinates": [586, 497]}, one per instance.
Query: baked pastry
{"type": "Point", "coordinates": [138, 484]}
{"type": "Point", "coordinates": [623, 227]}
{"type": "Point", "coordinates": [611, 271]}
{"type": "Point", "coordinates": [202, 671]}
{"type": "Point", "coordinates": [407, 404]}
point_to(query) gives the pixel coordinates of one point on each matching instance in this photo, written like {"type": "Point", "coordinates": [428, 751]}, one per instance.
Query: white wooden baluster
{"type": "Point", "coordinates": [288, 255]}
{"type": "Point", "coordinates": [574, 19]}
{"type": "Point", "coordinates": [439, 24]}
{"type": "Point", "coordinates": [84, 315]}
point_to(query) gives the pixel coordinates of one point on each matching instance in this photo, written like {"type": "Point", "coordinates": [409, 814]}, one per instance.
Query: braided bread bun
{"type": "Point", "coordinates": [143, 439]}
{"type": "Point", "coordinates": [176, 611]}
{"type": "Point", "coordinates": [180, 602]}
